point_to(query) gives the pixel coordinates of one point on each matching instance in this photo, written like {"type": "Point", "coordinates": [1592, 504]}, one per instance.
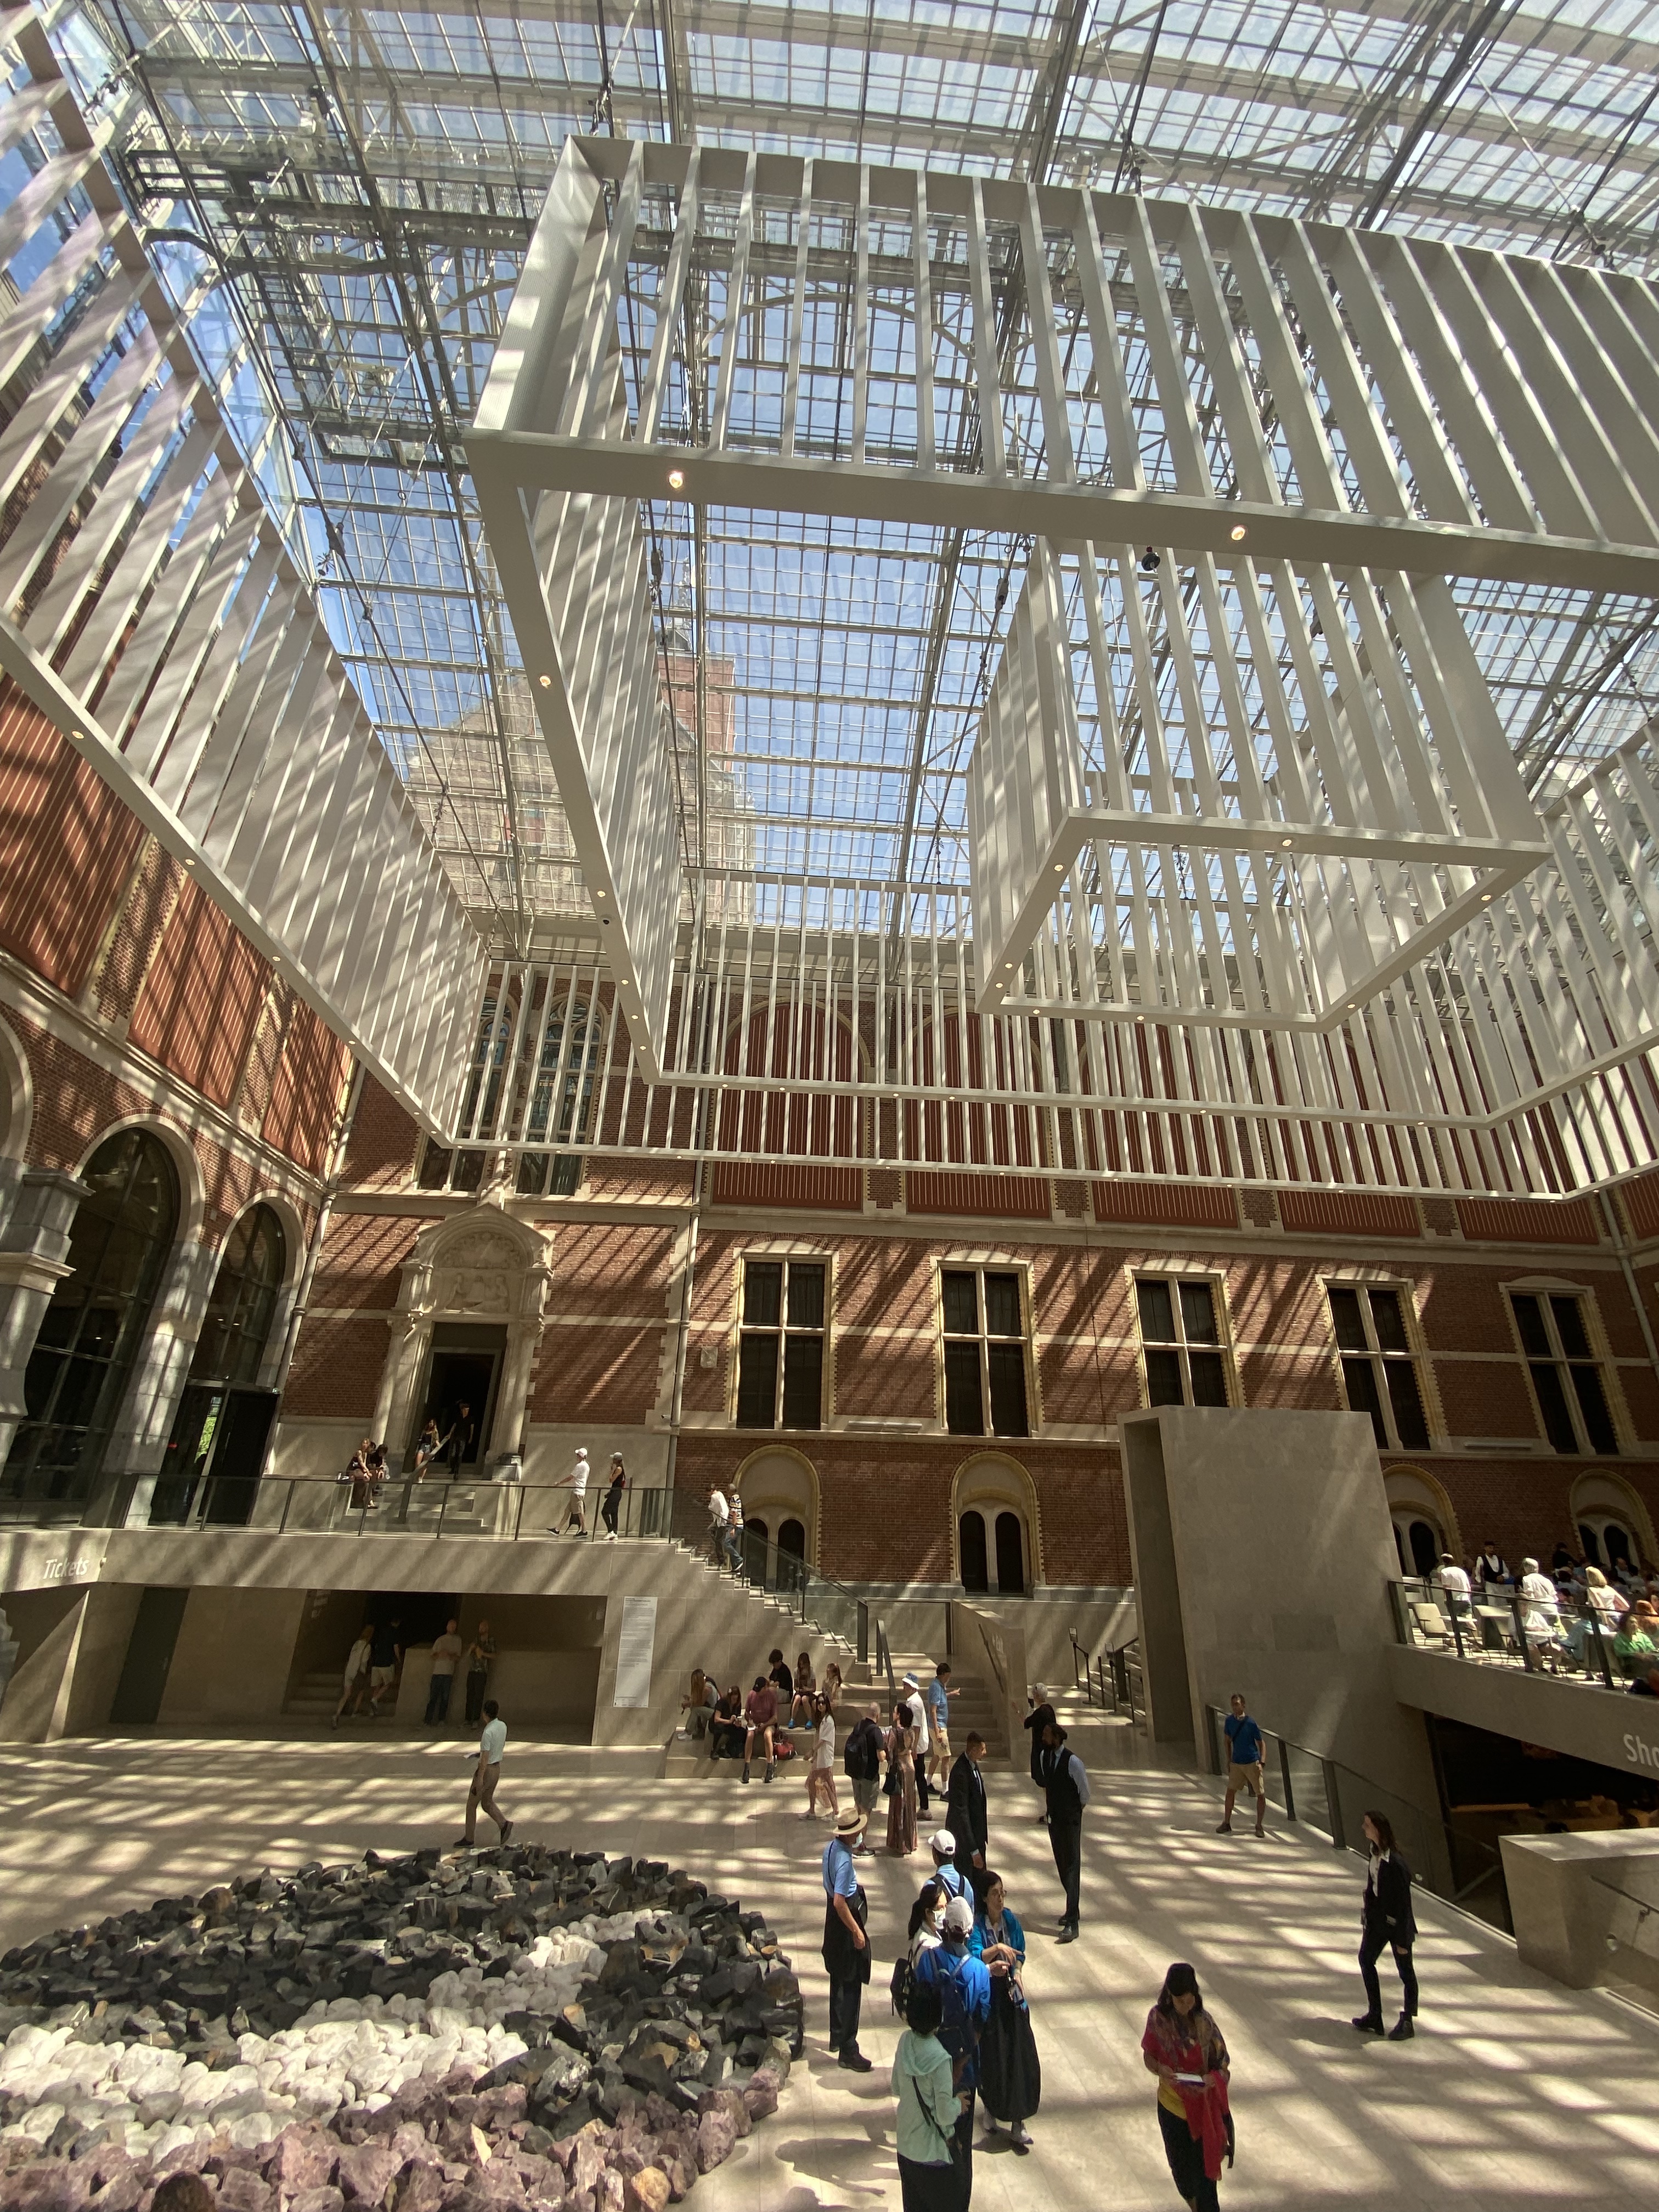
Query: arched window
{"type": "Point", "coordinates": [229, 1352]}
{"type": "Point", "coordinates": [975, 1570]}
{"type": "Point", "coordinates": [89, 1338]}
{"type": "Point", "coordinates": [573, 1102]}
{"type": "Point", "coordinates": [1011, 1554]}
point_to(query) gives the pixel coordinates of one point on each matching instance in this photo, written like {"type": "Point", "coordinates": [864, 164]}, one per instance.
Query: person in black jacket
{"type": "Point", "coordinates": [965, 1809]}
{"type": "Point", "coordinates": [1036, 1720]}
{"type": "Point", "coordinates": [861, 1760]}
{"type": "Point", "coordinates": [1388, 1921]}
{"type": "Point", "coordinates": [1065, 1784]}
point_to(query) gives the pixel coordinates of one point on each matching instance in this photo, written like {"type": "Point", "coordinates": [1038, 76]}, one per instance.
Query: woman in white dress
{"type": "Point", "coordinates": [821, 1765]}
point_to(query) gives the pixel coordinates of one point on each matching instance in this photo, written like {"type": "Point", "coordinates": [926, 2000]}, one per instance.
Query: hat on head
{"type": "Point", "coordinates": [943, 1844]}
{"type": "Point", "coordinates": [958, 1916]}
{"type": "Point", "coordinates": [910, 1683]}
{"type": "Point", "coordinates": [852, 1822]}
{"type": "Point", "coordinates": [1530, 1566]}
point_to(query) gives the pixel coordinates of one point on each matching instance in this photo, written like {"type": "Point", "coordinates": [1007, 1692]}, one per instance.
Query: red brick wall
{"type": "Point", "coordinates": [201, 998]}
{"type": "Point", "coordinates": [336, 1371]}
{"type": "Point", "coordinates": [380, 1152]}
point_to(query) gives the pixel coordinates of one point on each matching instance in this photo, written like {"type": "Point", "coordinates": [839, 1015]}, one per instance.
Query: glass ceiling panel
{"type": "Point", "coordinates": [359, 184]}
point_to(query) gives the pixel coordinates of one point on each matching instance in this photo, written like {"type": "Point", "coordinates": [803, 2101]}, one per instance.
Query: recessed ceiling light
{"type": "Point", "coordinates": [79, 736]}
{"type": "Point", "coordinates": [1284, 844]}
{"type": "Point", "coordinates": [676, 480]}
{"type": "Point", "coordinates": [1059, 867]}
{"type": "Point", "coordinates": [1237, 533]}
{"type": "Point", "coordinates": [599, 894]}
{"type": "Point", "coordinates": [1485, 898]}
{"type": "Point", "coordinates": [546, 683]}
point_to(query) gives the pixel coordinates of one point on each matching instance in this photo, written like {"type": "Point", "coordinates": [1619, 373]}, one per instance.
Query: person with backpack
{"type": "Point", "coordinates": [963, 1984]}
{"type": "Point", "coordinates": [846, 1944]}
{"type": "Point", "coordinates": [861, 1764]}
{"type": "Point", "coordinates": [925, 2092]}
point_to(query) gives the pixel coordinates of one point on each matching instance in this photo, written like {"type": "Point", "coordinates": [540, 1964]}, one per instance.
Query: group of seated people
{"type": "Point", "coordinates": [738, 1725]}
{"type": "Point", "coordinates": [1575, 1613]}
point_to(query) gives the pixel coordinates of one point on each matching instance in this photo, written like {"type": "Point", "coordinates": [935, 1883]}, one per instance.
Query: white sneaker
{"type": "Point", "coordinates": [610, 1536]}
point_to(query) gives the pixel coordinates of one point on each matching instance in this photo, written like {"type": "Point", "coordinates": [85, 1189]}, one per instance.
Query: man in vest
{"type": "Point", "coordinates": [1065, 1785]}
{"type": "Point", "coordinates": [964, 1992]}
{"type": "Point", "coordinates": [846, 1945]}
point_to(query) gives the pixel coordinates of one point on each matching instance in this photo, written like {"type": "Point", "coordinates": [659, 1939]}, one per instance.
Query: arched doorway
{"type": "Point", "coordinates": [1614, 1528]}
{"type": "Point", "coordinates": [779, 1488]}
{"type": "Point", "coordinates": [1424, 1523]}
{"type": "Point", "coordinates": [216, 1449]}
{"type": "Point", "coordinates": [994, 1518]}
{"type": "Point", "coordinates": [91, 1334]}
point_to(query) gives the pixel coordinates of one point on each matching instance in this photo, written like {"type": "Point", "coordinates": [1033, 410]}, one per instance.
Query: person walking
{"type": "Point", "coordinates": [938, 1703]}
{"type": "Point", "coordinates": [861, 1764]}
{"type": "Point", "coordinates": [576, 1483]}
{"type": "Point", "coordinates": [1039, 1717]}
{"type": "Point", "coordinates": [445, 1652]}
{"type": "Point", "coordinates": [761, 1711]}
{"type": "Point", "coordinates": [612, 1505]}
{"type": "Point", "coordinates": [427, 1445]}
{"type": "Point", "coordinates": [901, 1784]}
{"type": "Point", "coordinates": [1010, 2076]}
{"type": "Point", "coordinates": [1245, 1751]}
{"type": "Point", "coordinates": [357, 1672]}
{"type": "Point", "coordinates": [966, 1812]}
{"type": "Point", "coordinates": [492, 1742]}
{"type": "Point", "coordinates": [924, 2086]}
{"type": "Point", "coordinates": [1183, 2047]}
{"type": "Point", "coordinates": [846, 1944]}
{"type": "Point", "coordinates": [720, 1513]}
{"type": "Point", "coordinates": [821, 1762]}
{"type": "Point", "coordinates": [1066, 1786]}
{"type": "Point", "coordinates": [910, 1690]}
{"type": "Point", "coordinates": [1389, 1920]}
{"type": "Point", "coordinates": [386, 1656]}
{"type": "Point", "coordinates": [459, 1442]}
{"type": "Point", "coordinates": [480, 1657]}
{"type": "Point", "coordinates": [732, 1541]}
{"type": "Point", "coordinates": [964, 1992]}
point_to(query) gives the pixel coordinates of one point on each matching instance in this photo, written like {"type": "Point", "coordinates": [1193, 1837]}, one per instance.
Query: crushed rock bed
{"type": "Point", "coordinates": [509, 2027]}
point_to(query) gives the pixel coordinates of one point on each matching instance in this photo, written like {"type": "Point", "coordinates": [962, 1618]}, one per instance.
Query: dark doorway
{"type": "Point", "coordinates": [149, 1656]}
{"type": "Point", "coordinates": [1425, 1547]}
{"type": "Point", "coordinates": [1011, 1555]}
{"type": "Point", "coordinates": [245, 1426]}
{"type": "Point", "coordinates": [465, 1368]}
{"type": "Point", "coordinates": [792, 1538]}
{"type": "Point", "coordinates": [970, 1537]}
{"type": "Point", "coordinates": [751, 1549]}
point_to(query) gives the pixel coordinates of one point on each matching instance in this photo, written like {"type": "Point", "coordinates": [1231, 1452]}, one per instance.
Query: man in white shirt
{"type": "Point", "coordinates": [486, 1775]}
{"type": "Point", "coordinates": [576, 1483]}
{"type": "Point", "coordinates": [1455, 1581]}
{"type": "Point", "coordinates": [1538, 1619]}
{"type": "Point", "coordinates": [719, 1514]}
{"type": "Point", "coordinates": [356, 1672]}
{"type": "Point", "coordinates": [910, 1690]}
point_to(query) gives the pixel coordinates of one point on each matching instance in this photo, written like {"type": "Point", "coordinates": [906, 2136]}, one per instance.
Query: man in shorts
{"type": "Point", "coordinates": [938, 1702]}
{"type": "Point", "coordinates": [1245, 1750]}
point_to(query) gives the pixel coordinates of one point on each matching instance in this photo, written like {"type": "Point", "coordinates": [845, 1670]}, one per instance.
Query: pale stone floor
{"type": "Point", "coordinates": [1516, 2092]}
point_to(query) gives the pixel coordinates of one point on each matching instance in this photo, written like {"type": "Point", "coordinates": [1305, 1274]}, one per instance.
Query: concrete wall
{"type": "Point", "coordinates": [1586, 1908]}
{"type": "Point", "coordinates": [1262, 1555]}
{"type": "Point", "coordinates": [1607, 1726]}
{"type": "Point", "coordinates": [230, 1664]}
{"type": "Point", "coordinates": [73, 1643]}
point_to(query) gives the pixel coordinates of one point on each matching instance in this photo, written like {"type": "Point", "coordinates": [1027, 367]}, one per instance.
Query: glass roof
{"type": "Point", "coordinates": [357, 185]}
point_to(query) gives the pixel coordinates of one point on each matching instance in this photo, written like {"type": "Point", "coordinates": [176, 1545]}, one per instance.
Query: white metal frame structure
{"type": "Point", "coordinates": [149, 607]}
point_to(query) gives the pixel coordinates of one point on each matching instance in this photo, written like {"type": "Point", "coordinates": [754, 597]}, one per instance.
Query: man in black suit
{"type": "Point", "coordinates": [1036, 1720]}
{"type": "Point", "coordinates": [1388, 1921]}
{"type": "Point", "coordinates": [965, 1809]}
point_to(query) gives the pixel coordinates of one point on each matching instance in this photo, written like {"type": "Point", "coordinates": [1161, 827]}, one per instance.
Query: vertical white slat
{"type": "Point", "coordinates": [1111, 383]}
{"type": "Point", "coordinates": [669, 301]}
{"type": "Point", "coordinates": [737, 292]}
{"type": "Point", "coordinates": [988, 373]}
{"type": "Point", "coordinates": [31, 313]}
{"type": "Point", "coordinates": [861, 313]}
{"type": "Point", "coordinates": [797, 314]}
{"type": "Point", "coordinates": [1045, 344]}
{"type": "Point", "coordinates": [922, 326]}
{"type": "Point", "coordinates": [1253, 465]}
{"type": "Point", "coordinates": [591, 372]}
{"type": "Point", "coordinates": [1170, 372]}
{"type": "Point", "coordinates": [243, 655]}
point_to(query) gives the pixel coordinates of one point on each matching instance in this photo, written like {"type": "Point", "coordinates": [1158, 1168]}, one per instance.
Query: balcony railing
{"type": "Point", "coordinates": [497, 1512]}
{"type": "Point", "coordinates": [1557, 1636]}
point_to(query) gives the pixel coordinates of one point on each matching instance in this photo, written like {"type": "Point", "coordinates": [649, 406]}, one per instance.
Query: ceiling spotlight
{"type": "Point", "coordinates": [1237, 533]}
{"type": "Point", "coordinates": [1151, 562]}
{"type": "Point", "coordinates": [1059, 867]}
{"type": "Point", "coordinates": [546, 683]}
{"type": "Point", "coordinates": [599, 894]}
{"type": "Point", "coordinates": [1284, 844]}
{"type": "Point", "coordinates": [676, 480]}
{"type": "Point", "coordinates": [1007, 967]}
{"type": "Point", "coordinates": [79, 736]}
{"type": "Point", "coordinates": [1485, 898]}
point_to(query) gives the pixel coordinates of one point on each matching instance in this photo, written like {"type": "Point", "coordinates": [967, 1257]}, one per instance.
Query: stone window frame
{"type": "Point", "coordinates": [980, 1261]}
{"type": "Point", "coordinates": [1422, 1362]}
{"type": "Point", "coordinates": [1606, 1364]}
{"type": "Point", "coordinates": [1175, 1272]}
{"type": "Point", "coordinates": [785, 1248]}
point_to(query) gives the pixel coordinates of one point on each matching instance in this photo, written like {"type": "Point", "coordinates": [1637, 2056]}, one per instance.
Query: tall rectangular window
{"type": "Point", "coordinates": [984, 1353]}
{"type": "Point", "coordinates": [1379, 1371]}
{"type": "Point", "coordinates": [1180, 1342]}
{"type": "Point", "coordinates": [1566, 1375]}
{"type": "Point", "coordinates": [781, 1345]}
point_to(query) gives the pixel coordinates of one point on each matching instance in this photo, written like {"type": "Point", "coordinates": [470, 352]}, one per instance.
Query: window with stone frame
{"type": "Point", "coordinates": [1181, 1341]}
{"type": "Point", "coordinates": [1565, 1369]}
{"type": "Point", "coordinates": [1379, 1366]}
{"type": "Point", "coordinates": [781, 1345]}
{"type": "Point", "coordinates": [984, 1326]}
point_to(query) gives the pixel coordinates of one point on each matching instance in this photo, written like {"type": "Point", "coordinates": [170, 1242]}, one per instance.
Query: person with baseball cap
{"type": "Point", "coordinates": [846, 1944]}
{"type": "Point", "coordinates": [946, 1872]}
{"type": "Point", "coordinates": [963, 1984]}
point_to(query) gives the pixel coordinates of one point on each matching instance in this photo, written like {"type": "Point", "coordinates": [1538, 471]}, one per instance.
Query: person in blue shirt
{"type": "Point", "coordinates": [1245, 1750]}
{"type": "Point", "coordinates": [963, 1984]}
{"type": "Point", "coordinates": [946, 1872]}
{"type": "Point", "coordinates": [937, 1698]}
{"type": "Point", "coordinates": [1010, 2076]}
{"type": "Point", "coordinates": [846, 1945]}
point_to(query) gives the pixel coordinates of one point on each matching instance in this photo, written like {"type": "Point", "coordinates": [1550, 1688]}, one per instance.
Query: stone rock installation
{"type": "Point", "coordinates": [504, 2028]}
